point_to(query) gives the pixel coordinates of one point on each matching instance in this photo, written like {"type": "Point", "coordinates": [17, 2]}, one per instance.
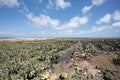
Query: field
{"type": "Point", "coordinates": [59, 59]}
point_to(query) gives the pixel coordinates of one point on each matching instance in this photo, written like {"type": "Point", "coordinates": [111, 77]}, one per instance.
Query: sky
{"type": "Point", "coordinates": [60, 18]}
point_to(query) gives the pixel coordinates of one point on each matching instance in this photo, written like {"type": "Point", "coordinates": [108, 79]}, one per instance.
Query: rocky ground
{"type": "Point", "coordinates": [85, 66]}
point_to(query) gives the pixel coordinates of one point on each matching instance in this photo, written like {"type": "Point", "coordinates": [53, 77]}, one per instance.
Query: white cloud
{"type": "Point", "coordinates": [41, 21]}
{"type": "Point", "coordinates": [2, 33]}
{"type": "Point", "coordinates": [105, 19]}
{"type": "Point", "coordinates": [40, 1]}
{"type": "Point", "coordinates": [73, 23]}
{"type": "Point", "coordinates": [95, 29]}
{"type": "Point", "coordinates": [108, 17]}
{"type": "Point", "coordinates": [116, 15]}
{"type": "Point", "coordinates": [99, 28]}
{"type": "Point", "coordinates": [97, 2]}
{"type": "Point", "coordinates": [13, 32]}
{"type": "Point", "coordinates": [86, 9]}
{"type": "Point", "coordinates": [116, 24]}
{"type": "Point", "coordinates": [50, 4]}
{"type": "Point", "coordinates": [9, 3]}
{"type": "Point", "coordinates": [94, 3]}
{"type": "Point", "coordinates": [83, 20]}
{"type": "Point", "coordinates": [24, 10]}
{"type": "Point", "coordinates": [62, 4]}
{"type": "Point", "coordinates": [16, 32]}
{"type": "Point", "coordinates": [45, 21]}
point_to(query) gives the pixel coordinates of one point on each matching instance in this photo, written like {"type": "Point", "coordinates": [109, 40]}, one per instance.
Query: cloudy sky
{"type": "Point", "coordinates": [60, 18]}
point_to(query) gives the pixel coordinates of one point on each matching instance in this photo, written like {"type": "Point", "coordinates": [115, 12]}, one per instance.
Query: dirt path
{"type": "Point", "coordinates": [103, 60]}
{"type": "Point", "coordinates": [94, 47]}
{"type": "Point", "coordinates": [67, 54]}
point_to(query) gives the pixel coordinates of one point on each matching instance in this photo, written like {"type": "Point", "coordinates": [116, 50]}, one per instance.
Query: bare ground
{"type": "Point", "coordinates": [23, 39]}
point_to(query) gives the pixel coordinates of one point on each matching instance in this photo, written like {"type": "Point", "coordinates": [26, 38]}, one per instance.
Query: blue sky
{"type": "Point", "coordinates": [60, 18]}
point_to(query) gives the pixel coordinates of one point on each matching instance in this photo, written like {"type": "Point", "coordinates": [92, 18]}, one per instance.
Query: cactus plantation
{"type": "Point", "coordinates": [60, 59]}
